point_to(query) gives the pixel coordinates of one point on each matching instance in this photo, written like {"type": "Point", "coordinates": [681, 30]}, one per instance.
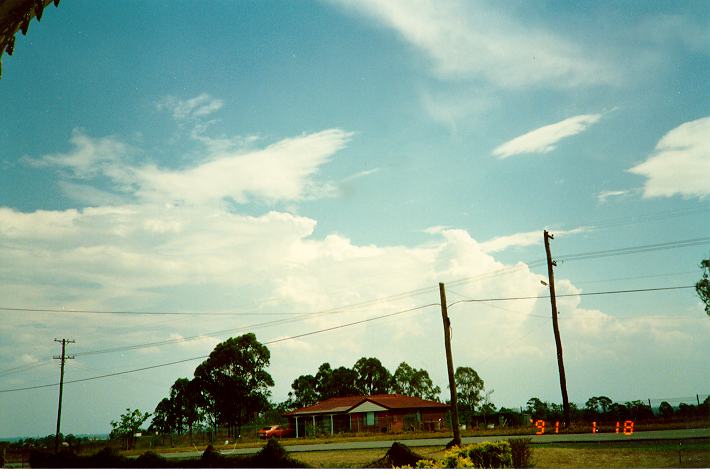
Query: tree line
{"type": "Point", "coordinates": [232, 386]}
{"type": "Point", "coordinates": [605, 409]}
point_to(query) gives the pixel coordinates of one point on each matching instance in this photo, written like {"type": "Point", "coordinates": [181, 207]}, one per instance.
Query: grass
{"type": "Point", "coordinates": [356, 458]}
{"type": "Point", "coordinates": [624, 455]}
{"type": "Point", "coordinates": [610, 455]}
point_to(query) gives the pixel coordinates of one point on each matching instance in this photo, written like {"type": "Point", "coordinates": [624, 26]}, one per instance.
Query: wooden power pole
{"type": "Point", "coordinates": [450, 367]}
{"type": "Point", "coordinates": [62, 359]}
{"type": "Point", "coordinates": [555, 328]}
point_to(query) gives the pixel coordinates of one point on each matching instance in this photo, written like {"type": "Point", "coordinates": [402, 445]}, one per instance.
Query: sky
{"type": "Point", "coordinates": [184, 172]}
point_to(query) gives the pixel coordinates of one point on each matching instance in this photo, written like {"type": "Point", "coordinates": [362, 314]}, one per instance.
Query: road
{"type": "Point", "coordinates": [536, 439]}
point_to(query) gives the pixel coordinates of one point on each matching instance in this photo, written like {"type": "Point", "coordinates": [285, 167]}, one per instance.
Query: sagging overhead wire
{"type": "Point", "coordinates": [644, 218]}
{"type": "Point", "coordinates": [633, 249]}
{"type": "Point", "coordinates": [275, 341]}
{"type": "Point", "coordinates": [307, 315]}
{"type": "Point", "coordinates": [415, 292]}
{"type": "Point", "coordinates": [597, 293]}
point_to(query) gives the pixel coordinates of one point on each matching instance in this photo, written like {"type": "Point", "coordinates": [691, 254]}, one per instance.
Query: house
{"type": "Point", "coordinates": [390, 413]}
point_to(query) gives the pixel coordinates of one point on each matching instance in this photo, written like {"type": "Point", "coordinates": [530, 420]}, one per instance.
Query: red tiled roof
{"type": "Point", "coordinates": [389, 401]}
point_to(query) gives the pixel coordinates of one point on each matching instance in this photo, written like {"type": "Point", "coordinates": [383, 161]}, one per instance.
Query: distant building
{"type": "Point", "coordinates": [388, 413]}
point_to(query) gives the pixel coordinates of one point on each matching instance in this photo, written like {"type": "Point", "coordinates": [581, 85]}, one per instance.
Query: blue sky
{"type": "Point", "coordinates": [301, 156]}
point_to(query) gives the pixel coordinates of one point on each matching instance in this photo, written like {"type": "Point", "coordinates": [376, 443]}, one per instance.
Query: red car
{"type": "Point", "coordinates": [274, 431]}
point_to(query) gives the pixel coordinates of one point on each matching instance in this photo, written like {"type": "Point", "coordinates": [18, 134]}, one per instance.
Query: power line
{"type": "Point", "coordinates": [645, 218]}
{"type": "Point", "coordinates": [273, 323]}
{"type": "Point", "coordinates": [4, 373]}
{"type": "Point", "coordinates": [634, 249]}
{"type": "Point", "coordinates": [412, 293]}
{"type": "Point", "coordinates": [352, 324]}
{"type": "Point", "coordinates": [415, 292]}
{"type": "Point", "coordinates": [113, 374]}
{"type": "Point", "coordinates": [623, 291]}
{"type": "Point", "coordinates": [155, 313]}
{"type": "Point", "coordinates": [629, 278]}
{"type": "Point", "coordinates": [341, 326]}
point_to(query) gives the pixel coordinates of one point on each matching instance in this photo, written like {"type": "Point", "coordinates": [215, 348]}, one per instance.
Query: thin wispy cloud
{"type": "Point", "coordinates": [545, 139]}
{"type": "Point", "coordinates": [524, 239]}
{"type": "Point", "coordinates": [196, 107]}
{"type": "Point", "coordinates": [604, 196]}
{"type": "Point", "coordinates": [680, 164]}
{"type": "Point", "coordinates": [282, 171]}
{"type": "Point", "coordinates": [479, 40]}
{"type": "Point", "coordinates": [361, 174]}
{"type": "Point", "coordinates": [87, 158]}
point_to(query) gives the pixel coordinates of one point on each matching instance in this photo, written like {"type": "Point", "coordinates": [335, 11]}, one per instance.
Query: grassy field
{"type": "Point", "coordinates": [621, 455]}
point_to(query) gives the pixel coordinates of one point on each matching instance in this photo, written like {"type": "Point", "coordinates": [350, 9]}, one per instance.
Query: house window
{"type": "Point", "coordinates": [369, 418]}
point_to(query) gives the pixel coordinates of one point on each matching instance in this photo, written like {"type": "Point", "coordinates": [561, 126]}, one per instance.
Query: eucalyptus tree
{"type": "Point", "coordinates": [415, 383]}
{"type": "Point", "coordinates": [372, 377]}
{"type": "Point", "coordinates": [233, 384]}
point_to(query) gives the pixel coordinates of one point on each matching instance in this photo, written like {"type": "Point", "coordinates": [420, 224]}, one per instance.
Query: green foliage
{"type": "Point", "coordinates": [184, 397]}
{"type": "Point", "coordinates": [415, 383]}
{"type": "Point", "coordinates": [600, 405]}
{"type": "Point", "coordinates": [537, 408]}
{"type": "Point", "coordinates": [521, 452]}
{"type": "Point", "coordinates": [372, 377]}
{"type": "Point", "coordinates": [335, 383]}
{"type": "Point", "coordinates": [367, 377]}
{"type": "Point", "coordinates": [162, 417]}
{"type": "Point", "coordinates": [490, 454]}
{"type": "Point", "coordinates": [128, 425]}
{"type": "Point", "coordinates": [485, 455]}
{"type": "Point", "coordinates": [180, 411]}
{"type": "Point", "coordinates": [702, 287]}
{"type": "Point", "coordinates": [303, 392]}
{"type": "Point", "coordinates": [469, 388]}
{"type": "Point", "coordinates": [665, 409]}
{"type": "Point", "coordinates": [232, 385]}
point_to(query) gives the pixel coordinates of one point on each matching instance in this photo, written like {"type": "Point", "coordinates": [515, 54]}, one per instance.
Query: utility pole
{"type": "Point", "coordinates": [555, 328]}
{"type": "Point", "coordinates": [450, 367]}
{"type": "Point", "coordinates": [62, 359]}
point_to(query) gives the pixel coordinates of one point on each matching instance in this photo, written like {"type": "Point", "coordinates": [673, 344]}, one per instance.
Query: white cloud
{"type": "Point", "coordinates": [89, 156]}
{"type": "Point", "coordinates": [545, 139]}
{"type": "Point", "coordinates": [359, 175]}
{"type": "Point", "coordinates": [528, 238]}
{"type": "Point", "coordinates": [89, 195]}
{"type": "Point", "coordinates": [193, 108]}
{"type": "Point", "coordinates": [450, 108]}
{"type": "Point", "coordinates": [680, 164]}
{"type": "Point", "coordinates": [478, 40]}
{"type": "Point", "coordinates": [169, 247]}
{"type": "Point", "coordinates": [281, 171]}
{"type": "Point", "coordinates": [203, 257]}
{"type": "Point", "coordinates": [604, 196]}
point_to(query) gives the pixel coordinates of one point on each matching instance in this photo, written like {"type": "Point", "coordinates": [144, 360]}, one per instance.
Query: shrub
{"type": "Point", "coordinates": [490, 454]}
{"type": "Point", "coordinates": [486, 455]}
{"type": "Point", "coordinates": [398, 456]}
{"type": "Point", "coordinates": [105, 458]}
{"type": "Point", "coordinates": [273, 455]}
{"type": "Point", "coordinates": [521, 452]}
{"type": "Point", "coordinates": [151, 460]}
